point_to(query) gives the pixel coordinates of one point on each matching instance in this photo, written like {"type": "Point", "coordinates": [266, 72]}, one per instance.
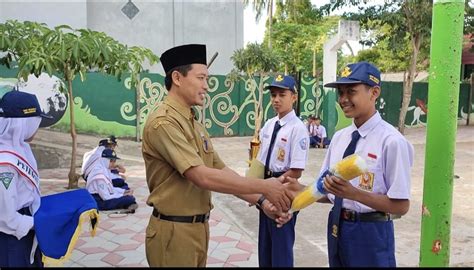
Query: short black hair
{"type": "Point", "coordinates": [181, 69]}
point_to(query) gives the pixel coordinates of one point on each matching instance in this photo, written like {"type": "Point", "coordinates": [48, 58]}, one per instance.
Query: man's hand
{"type": "Point", "coordinates": [277, 194]}
{"type": "Point", "coordinates": [293, 186]}
{"type": "Point", "coordinates": [128, 192]}
{"type": "Point", "coordinates": [340, 187]}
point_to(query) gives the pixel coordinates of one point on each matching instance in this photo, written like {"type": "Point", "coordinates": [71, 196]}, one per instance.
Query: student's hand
{"type": "Point", "coordinates": [128, 192]}
{"type": "Point", "coordinates": [120, 168]}
{"type": "Point", "coordinates": [279, 217]}
{"type": "Point", "coordinates": [293, 186]}
{"type": "Point", "coordinates": [340, 187]}
{"type": "Point", "coordinates": [276, 193]}
{"type": "Point", "coordinates": [283, 219]}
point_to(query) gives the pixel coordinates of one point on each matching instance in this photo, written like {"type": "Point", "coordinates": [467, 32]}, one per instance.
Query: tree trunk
{"type": "Point", "coordinates": [270, 22]}
{"type": "Point", "coordinates": [314, 63]}
{"type": "Point", "coordinates": [259, 108]}
{"type": "Point", "coordinates": [137, 106]}
{"type": "Point", "coordinates": [73, 177]}
{"type": "Point", "coordinates": [408, 83]}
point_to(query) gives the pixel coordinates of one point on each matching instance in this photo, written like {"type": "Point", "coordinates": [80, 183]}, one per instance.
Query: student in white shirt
{"type": "Point", "coordinates": [287, 156]}
{"type": "Point", "coordinates": [317, 133]}
{"type": "Point", "coordinates": [20, 117]}
{"type": "Point", "coordinates": [360, 226]}
{"type": "Point", "coordinates": [100, 186]}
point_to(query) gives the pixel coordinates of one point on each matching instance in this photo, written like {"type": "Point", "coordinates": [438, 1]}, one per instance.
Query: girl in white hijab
{"type": "Point", "coordinates": [99, 184]}
{"type": "Point", "coordinates": [19, 180]}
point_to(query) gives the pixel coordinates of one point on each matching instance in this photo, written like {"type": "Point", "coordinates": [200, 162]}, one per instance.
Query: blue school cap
{"type": "Point", "coordinates": [15, 104]}
{"type": "Point", "coordinates": [284, 82]}
{"type": "Point", "coordinates": [360, 72]}
{"type": "Point", "coordinates": [109, 153]}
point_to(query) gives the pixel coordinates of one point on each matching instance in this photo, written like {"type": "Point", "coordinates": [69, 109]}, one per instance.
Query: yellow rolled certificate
{"type": "Point", "coordinates": [348, 168]}
{"type": "Point", "coordinates": [256, 169]}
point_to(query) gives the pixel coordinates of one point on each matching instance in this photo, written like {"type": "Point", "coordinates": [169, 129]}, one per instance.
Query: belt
{"type": "Point", "coordinates": [353, 216]}
{"type": "Point", "coordinates": [269, 174]}
{"type": "Point", "coordinates": [186, 219]}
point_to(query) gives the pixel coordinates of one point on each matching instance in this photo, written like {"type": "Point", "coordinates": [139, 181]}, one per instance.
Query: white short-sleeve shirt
{"type": "Point", "coordinates": [16, 192]}
{"type": "Point", "coordinates": [389, 158]}
{"type": "Point", "coordinates": [290, 150]}
{"type": "Point", "coordinates": [319, 131]}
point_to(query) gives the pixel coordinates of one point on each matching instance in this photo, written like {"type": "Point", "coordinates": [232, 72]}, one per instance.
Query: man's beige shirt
{"type": "Point", "coordinates": [172, 143]}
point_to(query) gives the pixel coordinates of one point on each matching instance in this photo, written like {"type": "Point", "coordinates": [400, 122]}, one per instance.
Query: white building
{"type": "Point", "coordinates": [155, 24]}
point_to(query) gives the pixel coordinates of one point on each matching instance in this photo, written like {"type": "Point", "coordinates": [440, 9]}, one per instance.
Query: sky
{"type": "Point", "coordinates": [254, 31]}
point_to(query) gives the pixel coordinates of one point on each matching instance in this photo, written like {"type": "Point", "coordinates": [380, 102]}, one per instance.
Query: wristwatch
{"type": "Point", "coordinates": [260, 201]}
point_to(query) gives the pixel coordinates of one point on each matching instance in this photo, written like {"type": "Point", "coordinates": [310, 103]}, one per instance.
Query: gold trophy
{"type": "Point", "coordinates": [254, 148]}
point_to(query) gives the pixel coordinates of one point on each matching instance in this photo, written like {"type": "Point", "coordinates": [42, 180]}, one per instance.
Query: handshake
{"type": "Point", "coordinates": [289, 196]}
{"type": "Point", "coordinates": [276, 203]}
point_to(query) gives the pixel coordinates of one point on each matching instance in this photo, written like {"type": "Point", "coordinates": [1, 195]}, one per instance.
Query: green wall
{"type": "Point", "coordinates": [104, 105]}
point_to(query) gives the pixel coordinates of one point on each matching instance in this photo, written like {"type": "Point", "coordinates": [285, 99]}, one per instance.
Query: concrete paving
{"type": "Point", "coordinates": [234, 226]}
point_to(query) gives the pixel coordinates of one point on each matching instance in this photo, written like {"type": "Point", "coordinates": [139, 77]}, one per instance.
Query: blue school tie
{"type": "Point", "coordinates": [338, 200]}
{"type": "Point", "coordinates": [276, 128]}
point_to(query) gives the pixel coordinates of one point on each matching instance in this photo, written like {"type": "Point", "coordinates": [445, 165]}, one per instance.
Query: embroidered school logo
{"type": "Point", "coordinates": [29, 110]}
{"type": "Point", "coordinates": [6, 178]}
{"type": "Point", "coordinates": [346, 72]}
{"type": "Point", "coordinates": [366, 181]}
{"type": "Point", "coordinates": [303, 144]}
{"type": "Point", "coordinates": [374, 79]}
{"type": "Point", "coordinates": [281, 154]}
{"type": "Point", "coordinates": [279, 78]}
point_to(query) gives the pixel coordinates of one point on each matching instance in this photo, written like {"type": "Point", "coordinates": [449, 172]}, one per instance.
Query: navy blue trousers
{"type": "Point", "coordinates": [363, 244]}
{"type": "Point", "coordinates": [16, 253]}
{"type": "Point", "coordinates": [117, 203]}
{"type": "Point", "coordinates": [275, 245]}
{"type": "Point", "coordinates": [120, 182]}
{"type": "Point", "coordinates": [316, 140]}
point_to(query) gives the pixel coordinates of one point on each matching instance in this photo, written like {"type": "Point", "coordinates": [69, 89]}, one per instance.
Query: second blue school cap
{"type": "Point", "coordinates": [109, 153]}
{"type": "Point", "coordinates": [360, 72]}
{"type": "Point", "coordinates": [284, 82]}
{"type": "Point", "coordinates": [16, 104]}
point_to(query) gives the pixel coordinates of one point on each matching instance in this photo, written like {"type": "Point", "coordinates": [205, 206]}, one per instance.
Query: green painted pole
{"type": "Point", "coordinates": [443, 96]}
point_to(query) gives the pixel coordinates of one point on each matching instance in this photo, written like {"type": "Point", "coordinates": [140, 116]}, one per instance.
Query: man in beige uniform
{"type": "Point", "coordinates": [182, 167]}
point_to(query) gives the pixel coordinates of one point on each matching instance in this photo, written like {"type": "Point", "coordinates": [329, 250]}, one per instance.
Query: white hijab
{"type": "Point", "coordinates": [14, 132]}
{"type": "Point", "coordinates": [100, 170]}
{"type": "Point", "coordinates": [90, 158]}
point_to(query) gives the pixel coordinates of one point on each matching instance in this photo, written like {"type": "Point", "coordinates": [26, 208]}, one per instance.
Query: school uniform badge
{"type": "Point", "coordinates": [6, 178]}
{"type": "Point", "coordinates": [366, 181]}
{"type": "Point", "coordinates": [303, 144]}
{"type": "Point", "coordinates": [334, 230]}
{"type": "Point", "coordinates": [281, 154]}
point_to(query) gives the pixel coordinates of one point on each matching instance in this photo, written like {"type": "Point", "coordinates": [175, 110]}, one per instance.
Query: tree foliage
{"type": "Point", "coordinates": [256, 60]}
{"type": "Point", "coordinates": [400, 26]}
{"type": "Point", "coordinates": [299, 33]}
{"type": "Point", "coordinates": [68, 52]}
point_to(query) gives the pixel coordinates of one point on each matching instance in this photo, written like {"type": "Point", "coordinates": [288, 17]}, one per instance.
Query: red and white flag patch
{"type": "Point", "coordinates": [370, 155]}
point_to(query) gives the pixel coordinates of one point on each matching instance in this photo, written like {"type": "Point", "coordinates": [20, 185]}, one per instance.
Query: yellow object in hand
{"type": "Point", "coordinates": [257, 169]}
{"type": "Point", "coordinates": [303, 199]}
{"type": "Point", "coordinates": [348, 168]}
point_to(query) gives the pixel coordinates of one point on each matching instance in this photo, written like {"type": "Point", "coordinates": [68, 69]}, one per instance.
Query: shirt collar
{"type": "Point", "coordinates": [287, 118]}
{"type": "Point", "coordinates": [368, 125]}
{"type": "Point", "coordinates": [177, 106]}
